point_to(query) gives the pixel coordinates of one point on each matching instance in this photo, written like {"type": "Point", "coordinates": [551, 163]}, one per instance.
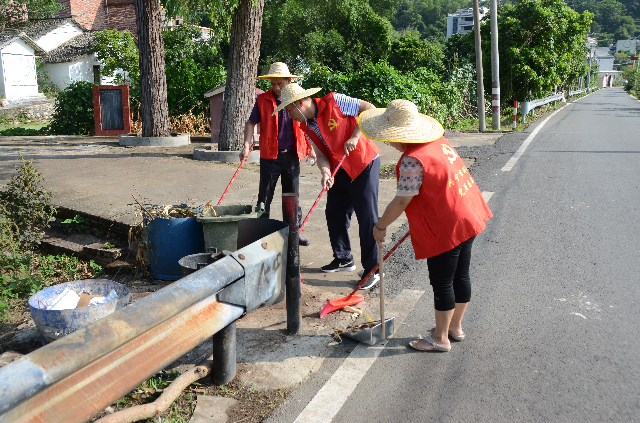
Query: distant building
{"type": "Point", "coordinates": [96, 15]}
{"type": "Point", "coordinates": [461, 21]}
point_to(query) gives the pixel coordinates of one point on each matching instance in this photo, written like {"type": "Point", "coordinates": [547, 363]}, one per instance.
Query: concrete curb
{"type": "Point", "coordinates": [175, 140]}
{"type": "Point", "coordinates": [204, 153]}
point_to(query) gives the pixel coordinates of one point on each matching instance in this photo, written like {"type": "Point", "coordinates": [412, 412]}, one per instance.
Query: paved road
{"type": "Point", "coordinates": [553, 331]}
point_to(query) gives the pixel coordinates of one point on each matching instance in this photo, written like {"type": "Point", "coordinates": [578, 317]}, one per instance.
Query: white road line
{"type": "Point", "coordinates": [512, 161]}
{"type": "Point", "coordinates": [487, 195]}
{"type": "Point", "coordinates": [330, 399]}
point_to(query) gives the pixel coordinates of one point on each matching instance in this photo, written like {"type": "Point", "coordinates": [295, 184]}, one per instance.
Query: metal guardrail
{"type": "Point", "coordinates": [572, 93]}
{"type": "Point", "coordinates": [73, 378]}
{"type": "Point", "coordinates": [528, 106]}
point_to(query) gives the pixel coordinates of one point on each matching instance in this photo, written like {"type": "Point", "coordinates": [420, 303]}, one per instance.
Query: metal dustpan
{"type": "Point", "coordinates": [372, 335]}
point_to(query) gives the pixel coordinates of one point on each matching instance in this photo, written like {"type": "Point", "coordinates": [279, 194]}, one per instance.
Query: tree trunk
{"type": "Point", "coordinates": [154, 110]}
{"type": "Point", "coordinates": [242, 68]}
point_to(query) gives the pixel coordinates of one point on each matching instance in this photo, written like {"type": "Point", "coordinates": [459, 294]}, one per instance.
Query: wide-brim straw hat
{"type": "Point", "coordinates": [278, 70]}
{"type": "Point", "coordinates": [293, 92]}
{"type": "Point", "coordinates": [399, 122]}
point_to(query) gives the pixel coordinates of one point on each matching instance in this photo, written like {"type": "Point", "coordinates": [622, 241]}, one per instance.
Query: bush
{"type": "Point", "coordinates": [23, 132]}
{"type": "Point", "coordinates": [73, 111]}
{"type": "Point", "coordinates": [26, 205]}
{"type": "Point", "coordinates": [381, 83]}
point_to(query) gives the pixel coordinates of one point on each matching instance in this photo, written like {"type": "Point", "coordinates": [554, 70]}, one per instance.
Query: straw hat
{"type": "Point", "coordinates": [278, 70]}
{"type": "Point", "coordinates": [399, 122]}
{"type": "Point", "coordinates": [293, 92]}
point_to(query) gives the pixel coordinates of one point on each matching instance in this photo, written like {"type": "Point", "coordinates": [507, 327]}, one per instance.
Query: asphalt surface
{"type": "Point", "coordinates": [552, 327]}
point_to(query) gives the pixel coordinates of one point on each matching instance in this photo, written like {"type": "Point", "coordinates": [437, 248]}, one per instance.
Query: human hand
{"type": "Point", "coordinates": [244, 152]}
{"type": "Point", "coordinates": [327, 180]}
{"type": "Point", "coordinates": [311, 156]}
{"type": "Point", "coordinates": [379, 234]}
{"type": "Point", "coordinates": [350, 145]}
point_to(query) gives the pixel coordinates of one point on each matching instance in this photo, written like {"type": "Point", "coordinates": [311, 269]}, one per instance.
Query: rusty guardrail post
{"type": "Point", "coordinates": [293, 292]}
{"type": "Point", "coordinates": [224, 355]}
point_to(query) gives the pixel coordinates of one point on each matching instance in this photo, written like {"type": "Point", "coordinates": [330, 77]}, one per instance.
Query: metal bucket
{"type": "Point", "coordinates": [169, 241]}
{"type": "Point", "coordinates": [193, 262]}
{"type": "Point", "coordinates": [220, 224]}
{"type": "Point", "coordinates": [54, 324]}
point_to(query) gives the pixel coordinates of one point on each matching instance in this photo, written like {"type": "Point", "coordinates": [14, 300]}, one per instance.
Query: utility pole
{"type": "Point", "coordinates": [495, 66]}
{"type": "Point", "coordinates": [476, 28]}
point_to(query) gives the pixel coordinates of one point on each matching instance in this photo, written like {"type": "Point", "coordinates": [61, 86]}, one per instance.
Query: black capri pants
{"type": "Point", "coordinates": [449, 276]}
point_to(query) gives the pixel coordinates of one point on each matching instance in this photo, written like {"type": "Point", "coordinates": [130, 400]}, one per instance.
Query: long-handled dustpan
{"type": "Point", "coordinates": [375, 332]}
{"type": "Point", "coordinates": [353, 298]}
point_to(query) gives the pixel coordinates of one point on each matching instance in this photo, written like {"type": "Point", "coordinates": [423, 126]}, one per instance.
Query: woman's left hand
{"type": "Point", "coordinates": [379, 234]}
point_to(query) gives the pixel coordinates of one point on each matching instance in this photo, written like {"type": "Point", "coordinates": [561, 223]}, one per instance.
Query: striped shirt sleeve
{"type": "Point", "coordinates": [349, 106]}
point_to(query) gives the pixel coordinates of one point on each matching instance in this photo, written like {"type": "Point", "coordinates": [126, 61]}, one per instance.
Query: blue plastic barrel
{"type": "Point", "coordinates": [169, 241]}
{"type": "Point", "coordinates": [54, 324]}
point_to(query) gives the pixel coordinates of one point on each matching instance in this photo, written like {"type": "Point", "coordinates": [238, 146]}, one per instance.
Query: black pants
{"type": "Point", "coordinates": [345, 197]}
{"type": "Point", "coordinates": [286, 166]}
{"type": "Point", "coordinates": [449, 276]}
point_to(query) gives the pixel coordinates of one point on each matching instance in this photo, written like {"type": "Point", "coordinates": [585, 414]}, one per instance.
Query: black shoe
{"type": "Point", "coordinates": [372, 280]}
{"type": "Point", "coordinates": [303, 241]}
{"type": "Point", "coordinates": [338, 265]}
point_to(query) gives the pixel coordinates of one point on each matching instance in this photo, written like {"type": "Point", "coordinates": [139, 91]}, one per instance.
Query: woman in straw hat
{"type": "Point", "coordinates": [331, 124]}
{"type": "Point", "coordinates": [282, 143]}
{"type": "Point", "coordinates": [443, 205]}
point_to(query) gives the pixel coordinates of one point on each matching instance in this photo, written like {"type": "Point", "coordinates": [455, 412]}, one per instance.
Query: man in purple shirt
{"type": "Point", "coordinates": [286, 165]}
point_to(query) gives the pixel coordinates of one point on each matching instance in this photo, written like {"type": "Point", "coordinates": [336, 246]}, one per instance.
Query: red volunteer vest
{"type": "Point", "coordinates": [269, 129]}
{"type": "Point", "coordinates": [336, 129]}
{"type": "Point", "coordinates": [449, 208]}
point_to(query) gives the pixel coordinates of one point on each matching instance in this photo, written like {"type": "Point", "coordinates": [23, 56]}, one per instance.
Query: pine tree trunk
{"type": "Point", "coordinates": [242, 68]}
{"type": "Point", "coordinates": [154, 110]}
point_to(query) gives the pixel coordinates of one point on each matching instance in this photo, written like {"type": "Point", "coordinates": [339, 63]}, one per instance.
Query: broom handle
{"type": "Point", "coordinates": [253, 141]}
{"type": "Point", "coordinates": [386, 256]}
{"type": "Point", "coordinates": [320, 195]}
{"type": "Point", "coordinates": [380, 262]}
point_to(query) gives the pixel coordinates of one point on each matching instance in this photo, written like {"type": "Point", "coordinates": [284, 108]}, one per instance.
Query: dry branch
{"type": "Point", "coordinates": [169, 395]}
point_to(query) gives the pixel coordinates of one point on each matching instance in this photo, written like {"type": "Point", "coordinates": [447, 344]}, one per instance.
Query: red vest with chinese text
{"type": "Point", "coordinates": [269, 129]}
{"type": "Point", "coordinates": [336, 129]}
{"type": "Point", "coordinates": [449, 208]}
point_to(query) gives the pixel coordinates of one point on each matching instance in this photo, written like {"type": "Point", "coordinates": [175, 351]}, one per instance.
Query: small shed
{"type": "Point", "coordinates": [216, 99]}
{"type": "Point", "coordinates": [18, 81]}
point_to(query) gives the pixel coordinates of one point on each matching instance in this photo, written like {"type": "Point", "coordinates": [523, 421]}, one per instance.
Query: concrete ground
{"type": "Point", "coordinates": [95, 175]}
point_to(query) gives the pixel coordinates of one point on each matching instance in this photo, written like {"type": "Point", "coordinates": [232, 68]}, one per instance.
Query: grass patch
{"type": "Point", "coordinates": [388, 171]}
{"type": "Point", "coordinates": [23, 125]}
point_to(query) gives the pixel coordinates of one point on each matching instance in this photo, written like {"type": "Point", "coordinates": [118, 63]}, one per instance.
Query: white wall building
{"type": "Point", "coordinates": [461, 21]}
{"type": "Point", "coordinates": [18, 82]}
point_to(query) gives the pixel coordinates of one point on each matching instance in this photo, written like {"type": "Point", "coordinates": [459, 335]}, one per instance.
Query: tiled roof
{"type": "Point", "coordinates": [38, 27]}
{"type": "Point", "coordinates": [6, 39]}
{"type": "Point", "coordinates": [78, 46]}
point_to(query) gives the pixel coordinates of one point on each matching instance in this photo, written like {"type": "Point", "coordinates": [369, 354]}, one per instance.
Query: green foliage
{"type": "Point", "coordinates": [344, 35]}
{"type": "Point", "coordinates": [409, 53]}
{"type": "Point", "coordinates": [542, 45]}
{"type": "Point", "coordinates": [193, 67]}
{"type": "Point", "coordinates": [613, 20]}
{"type": "Point", "coordinates": [73, 110]}
{"type": "Point", "coordinates": [117, 51]}
{"type": "Point", "coordinates": [27, 205]}
{"type": "Point", "coordinates": [381, 83]}
{"type": "Point", "coordinates": [26, 273]}
{"type": "Point", "coordinates": [13, 12]}
{"type": "Point", "coordinates": [632, 76]}
{"type": "Point", "coordinates": [428, 17]}
{"type": "Point", "coordinates": [45, 85]}
{"type": "Point", "coordinates": [75, 225]}
{"type": "Point", "coordinates": [23, 132]}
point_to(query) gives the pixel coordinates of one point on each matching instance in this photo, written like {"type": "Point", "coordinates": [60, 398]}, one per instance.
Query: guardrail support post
{"type": "Point", "coordinates": [292, 282]}
{"type": "Point", "coordinates": [224, 355]}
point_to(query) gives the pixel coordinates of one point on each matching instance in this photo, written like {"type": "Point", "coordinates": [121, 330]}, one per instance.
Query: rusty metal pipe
{"type": "Point", "coordinates": [91, 389]}
{"type": "Point", "coordinates": [47, 365]}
